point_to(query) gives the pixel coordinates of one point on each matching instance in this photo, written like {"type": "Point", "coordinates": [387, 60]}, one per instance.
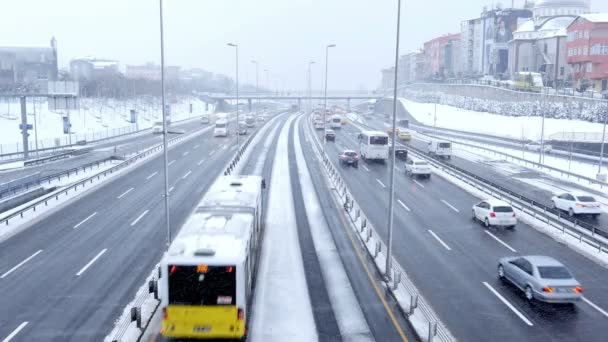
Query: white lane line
{"type": "Point", "coordinates": [124, 193]}
{"type": "Point", "coordinates": [502, 299]}
{"type": "Point", "coordinates": [139, 218]}
{"type": "Point", "coordinates": [211, 153]}
{"type": "Point", "coordinates": [196, 146]}
{"type": "Point", "coordinates": [403, 205]}
{"type": "Point", "coordinates": [85, 220]}
{"type": "Point", "coordinates": [15, 332]}
{"type": "Point", "coordinates": [420, 184]}
{"type": "Point", "coordinates": [382, 184]}
{"type": "Point", "coordinates": [187, 174]}
{"type": "Point", "coordinates": [501, 242]}
{"type": "Point", "coordinates": [152, 175]}
{"type": "Point", "coordinates": [171, 162]}
{"type": "Point", "coordinates": [595, 307]}
{"type": "Point", "coordinates": [399, 169]}
{"type": "Point", "coordinates": [365, 167]}
{"type": "Point", "coordinates": [171, 188]}
{"type": "Point", "coordinates": [440, 241]}
{"type": "Point", "coordinates": [200, 162]}
{"type": "Point", "coordinates": [185, 154]}
{"type": "Point", "coordinates": [20, 264]}
{"type": "Point", "coordinates": [451, 206]}
{"type": "Point", "coordinates": [91, 262]}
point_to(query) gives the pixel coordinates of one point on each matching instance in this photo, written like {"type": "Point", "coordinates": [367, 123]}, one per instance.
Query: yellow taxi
{"type": "Point", "coordinates": [404, 135]}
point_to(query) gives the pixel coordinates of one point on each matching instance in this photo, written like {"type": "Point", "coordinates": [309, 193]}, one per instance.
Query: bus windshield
{"type": "Point", "coordinates": [220, 125]}
{"type": "Point", "coordinates": [375, 140]}
{"type": "Point", "coordinates": [202, 285]}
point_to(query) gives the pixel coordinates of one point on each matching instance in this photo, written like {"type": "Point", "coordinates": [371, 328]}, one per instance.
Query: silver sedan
{"type": "Point", "coordinates": [541, 277]}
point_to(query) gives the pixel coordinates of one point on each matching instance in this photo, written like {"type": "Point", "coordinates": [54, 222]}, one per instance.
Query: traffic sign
{"type": "Point", "coordinates": [28, 126]}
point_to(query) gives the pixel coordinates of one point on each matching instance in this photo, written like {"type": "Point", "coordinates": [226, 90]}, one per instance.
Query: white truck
{"type": "Point", "coordinates": [440, 148]}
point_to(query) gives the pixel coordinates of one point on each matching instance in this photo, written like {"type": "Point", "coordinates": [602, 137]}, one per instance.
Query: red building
{"type": "Point", "coordinates": [587, 51]}
{"type": "Point", "coordinates": [441, 56]}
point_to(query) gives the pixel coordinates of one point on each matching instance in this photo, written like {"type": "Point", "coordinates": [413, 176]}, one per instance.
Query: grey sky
{"type": "Point", "coordinates": [283, 35]}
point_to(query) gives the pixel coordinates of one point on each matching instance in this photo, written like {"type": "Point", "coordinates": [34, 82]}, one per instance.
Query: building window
{"type": "Point", "coordinates": [586, 33]}
{"type": "Point", "coordinates": [579, 51]}
{"type": "Point", "coordinates": [589, 67]}
{"type": "Point", "coordinates": [585, 50]}
{"type": "Point", "coordinates": [561, 71]}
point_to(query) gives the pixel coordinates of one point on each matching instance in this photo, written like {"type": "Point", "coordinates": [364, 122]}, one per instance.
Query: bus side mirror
{"type": "Point", "coordinates": [263, 183]}
{"type": "Point", "coordinates": [359, 136]}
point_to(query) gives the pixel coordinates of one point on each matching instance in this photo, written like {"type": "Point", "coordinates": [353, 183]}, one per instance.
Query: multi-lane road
{"type": "Point", "coordinates": [453, 259]}
{"type": "Point", "coordinates": [69, 275]}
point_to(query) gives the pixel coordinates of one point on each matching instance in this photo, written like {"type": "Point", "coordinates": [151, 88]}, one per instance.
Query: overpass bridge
{"type": "Point", "coordinates": [220, 100]}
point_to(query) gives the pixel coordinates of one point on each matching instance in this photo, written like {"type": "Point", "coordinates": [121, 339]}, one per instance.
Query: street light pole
{"type": "Point", "coordinates": [310, 85]}
{"type": "Point", "coordinates": [267, 78]}
{"type": "Point", "coordinates": [599, 168]}
{"type": "Point", "coordinates": [165, 145]}
{"type": "Point", "coordinates": [325, 96]}
{"type": "Point", "coordinates": [257, 84]}
{"type": "Point", "coordinates": [236, 46]}
{"type": "Point", "coordinates": [391, 200]}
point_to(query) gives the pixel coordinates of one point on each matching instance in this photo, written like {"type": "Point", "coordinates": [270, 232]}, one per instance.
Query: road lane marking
{"type": "Point", "coordinates": [365, 167]}
{"type": "Point", "coordinates": [440, 241]}
{"type": "Point", "coordinates": [153, 174]}
{"type": "Point", "coordinates": [171, 162]}
{"type": "Point", "coordinates": [501, 242]}
{"type": "Point", "coordinates": [171, 188]}
{"type": "Point", "coordinates": [15, 332]}
{"type": "Point", "coordinates": [420, 184]}
{"type": "Point", "coordinates": [399, 169]}
{"type": "Point", "coordinates": [595, 307]}
{"type": "Point", "coordinates": [451, 206]}
{"type": "Point", "coordinates": [85, 220]}
{"type": "Point", "coordinates": [91, 262]}
{"type": "Point", "coordinates": [139, 218]}
{"type": "Point", "coordinates": [200, 162]}
{"type": "Point", "coordinates": [196, 146]}
{"type": "Point", "coordinates": [506, 302]}
{"type": "Point", "coordinates": [403, 205]}
{"type": "Point", "coordinates": [124, 193]}
{"type": "Point", "coordinates": [187, 174]}
{"type": "Point", "coordinates": [377, 180]}
{"type": "Point", "coordinates": [211, 153]}
{"type": "Point", "coordinates": [20, 264]}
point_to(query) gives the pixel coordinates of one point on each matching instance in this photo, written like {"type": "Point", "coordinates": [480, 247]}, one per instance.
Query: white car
{"type": "Point", "coordinates": [493, 212]}
{"type": "Point", "coordinates": [157, 128]}
{"type": "Point", "coordinates": [417, 167]}
{"type": "Point", "coordinates": [575, 203]}
{"type": "Point", "coordinates": [536, 146]}
{"type": "Point", "coordinates": [221, 129]}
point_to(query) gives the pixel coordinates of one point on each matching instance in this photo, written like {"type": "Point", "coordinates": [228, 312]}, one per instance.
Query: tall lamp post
{"type": "Point", "coordinates": [267, 71]}
{"type": "Point", "coordinates": [164, 111]}
{"type": "Point", "coordinates": [391, 200]}
{"type": "Point", "coordinates": [257, 84]}
{"type": "Point", "coordinates": [236, 46]}
{"type": "Point", "coordinates": [310, 85]}
{"type": "Point", "coordinates": [325, 96]}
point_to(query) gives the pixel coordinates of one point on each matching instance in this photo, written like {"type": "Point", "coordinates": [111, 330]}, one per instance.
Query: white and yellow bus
{"type": "Point", "coordinates": [207, 273]}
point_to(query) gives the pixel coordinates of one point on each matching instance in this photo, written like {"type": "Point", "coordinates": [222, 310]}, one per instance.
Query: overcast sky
{"type": "Point", "coordinates": [283, 35]}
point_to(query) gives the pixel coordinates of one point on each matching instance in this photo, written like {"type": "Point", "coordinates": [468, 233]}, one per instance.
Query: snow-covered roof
{"type": "Point", "coordinates": [596, 17]}
{"type": "Point", "coordinates": [528, 26]}
{"type": "Point", "coordinates": [557, 23]}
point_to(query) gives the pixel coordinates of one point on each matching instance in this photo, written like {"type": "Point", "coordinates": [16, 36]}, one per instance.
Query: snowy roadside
{"type": "Point", "coordinates": [67, 194]}
{"type": "Point", "coordinates": [348, 313]}
{"type": "Point", "coordinates": [281, 282]}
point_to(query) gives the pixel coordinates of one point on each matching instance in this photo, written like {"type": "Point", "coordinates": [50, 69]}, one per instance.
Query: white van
{"type": "Point", "coordinates": [336, 121]}
{"type": "Point", "coordinates": [440, 148]}
{"type": "Point", "coordinates": [158, 127]}
{"type": "Point", "coordinates": [221, 129]}
{"type": "Point", "coordinates": [205, 119]}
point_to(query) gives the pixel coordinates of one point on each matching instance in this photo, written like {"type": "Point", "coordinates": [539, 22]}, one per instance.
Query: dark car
{"type": "Point", "coordinates": [400, 152]}
{"type": "Point", "coordinates": [330, 135]}
{"type": "Point", "coordinates": [349, 157]}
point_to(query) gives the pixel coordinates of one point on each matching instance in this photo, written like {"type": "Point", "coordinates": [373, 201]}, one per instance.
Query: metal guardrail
{"type": "Point", "coordinates": [89, 180]}
{"type": "Point", "coordinates": [365, 231]}
{"type": "Point", "coordinates": [27, 184]}
{"type": "Point", "coordinates": [528, 162]}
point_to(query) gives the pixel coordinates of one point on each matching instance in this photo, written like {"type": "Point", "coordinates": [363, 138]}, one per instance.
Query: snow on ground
{"type": "Point", "coordinates": [96, 119]}
{"type": "Point", "coordinates": [493, 124]}
{"type": "Point", "coordinates": [281, 282]}
{"type": "Point", "coordinates": [350, 319]}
